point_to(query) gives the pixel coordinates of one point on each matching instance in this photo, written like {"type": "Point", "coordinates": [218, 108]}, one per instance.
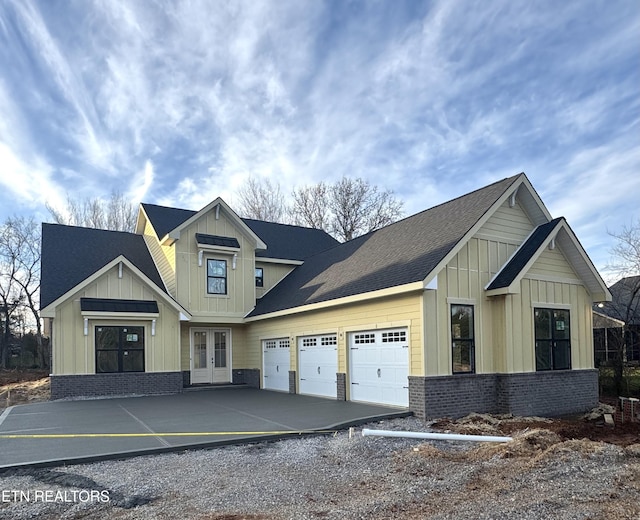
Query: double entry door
{"type": "Point", "coordinates": [210, 356]}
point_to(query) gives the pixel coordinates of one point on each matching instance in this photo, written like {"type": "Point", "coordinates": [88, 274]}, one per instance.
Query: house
{"type": "Point", "coordinates": [616, 324]}
{"type": "Point", "coordinates": [480, 304]}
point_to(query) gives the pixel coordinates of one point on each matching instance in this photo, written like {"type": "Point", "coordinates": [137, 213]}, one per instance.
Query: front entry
{"type": "Point", "coordinates": [210, 356]}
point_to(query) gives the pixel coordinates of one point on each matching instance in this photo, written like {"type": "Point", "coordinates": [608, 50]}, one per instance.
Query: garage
{"type": "Point", "coordinates": [318, 365]}
{"type": "Point", "coordinates": [379, 366]}
{"type": "Point", "coordinates": [275, 364]}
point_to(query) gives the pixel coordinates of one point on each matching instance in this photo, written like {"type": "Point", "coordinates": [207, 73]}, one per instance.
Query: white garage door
{"type": "Point", "coordinates": [379, 364]}
{"type": "Point", "coordinates": [318, 362]}
{"type": "Point", "coordinates": [275, 360]}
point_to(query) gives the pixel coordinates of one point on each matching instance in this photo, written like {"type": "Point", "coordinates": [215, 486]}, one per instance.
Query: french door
{"type": "Point", "coordinates": [210, 356]}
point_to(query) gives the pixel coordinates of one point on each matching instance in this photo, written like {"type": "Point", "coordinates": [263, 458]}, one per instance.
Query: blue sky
{"type": "Point", "coordinates": [176, 102]}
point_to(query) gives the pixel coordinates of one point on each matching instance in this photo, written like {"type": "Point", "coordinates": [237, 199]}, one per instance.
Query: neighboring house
{"type": "Point", "coordinates": [479, 304]}
{"type": "Point", "coordinates": [613, 319]}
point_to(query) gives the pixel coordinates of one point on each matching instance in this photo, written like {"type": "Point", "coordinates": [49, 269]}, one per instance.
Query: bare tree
{"type": "Point", "coordinates": [261, 199]}
{"type": "Point", "coordinates": [311, 206]}
{"type": "Point", "coordinates": [20, 257]}
{"type": "Point", "coordinates": [358, 207]}
{"type": "Point", "coordinates": [626, 295]}
{"type": "Point", "coordinates": [117, 213]}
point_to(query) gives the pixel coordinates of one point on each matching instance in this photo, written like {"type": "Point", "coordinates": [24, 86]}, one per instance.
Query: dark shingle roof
{"type": "Point", "coordinates": [215, 240]}
{"type": "Point", "coordinates": [516, 264]}
{"type": "Point", "coordinates": [290, 242]}
{"type": "Point", "coordinates": [401, 253]}
{"type": "Point", "coordinates": [283, 241]}
{"type": "Point", "coordinates": [72, 254]}
{"type": "Point", "coordinates": [164, 219]}
{"type": "Point", "coordinates": [115, 305]}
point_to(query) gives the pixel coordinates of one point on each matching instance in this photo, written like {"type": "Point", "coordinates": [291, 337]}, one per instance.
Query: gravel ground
{"type": "Point", "coordinates": [336, 477]}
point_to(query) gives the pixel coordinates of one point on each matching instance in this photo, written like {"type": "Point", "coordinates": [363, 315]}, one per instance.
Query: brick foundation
{"type": "Point", "coordinates": [122, 383]}
{"type": "Point", "coordinates": [534, 393]}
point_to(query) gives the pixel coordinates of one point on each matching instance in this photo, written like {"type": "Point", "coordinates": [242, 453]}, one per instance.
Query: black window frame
{"type": "Point", "coordinates": [552, 345]}
{"type": "Point", "coordinates": [259, 277]}
{"type": "Point", "coordinates": [463, 347]}
{"type": "Point", "coordinates": [215, 277]}
{"type": "Point", "coordinates": [122, 346]}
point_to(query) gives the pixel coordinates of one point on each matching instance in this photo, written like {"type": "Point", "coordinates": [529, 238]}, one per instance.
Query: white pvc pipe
{"type": "Point", "coordinates": [434, 436]}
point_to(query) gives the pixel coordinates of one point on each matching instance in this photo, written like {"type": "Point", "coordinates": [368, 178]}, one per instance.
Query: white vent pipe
{"type": "Point", "coordinates": [434, 436]}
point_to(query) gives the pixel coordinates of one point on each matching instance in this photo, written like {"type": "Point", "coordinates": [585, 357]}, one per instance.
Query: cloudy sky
{"type": "Point", "coordinates": [175, 103]}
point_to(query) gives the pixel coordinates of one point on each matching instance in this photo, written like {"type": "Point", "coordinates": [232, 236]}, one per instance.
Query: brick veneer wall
{"type": "Point", "coordinates": [342, 386]}
{"type": "Point", "coordinates": [535, 393]}
{"type": "Point", "coordinates": [122, 383]}
{"type": "Point", "coordinates": [292, 381]}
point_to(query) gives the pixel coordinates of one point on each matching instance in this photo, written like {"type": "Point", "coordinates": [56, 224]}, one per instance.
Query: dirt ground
{"type": "Point", "coordinates": [573, 428]}
{"type": "Point", "coordinates": [23, 386]}
{"type": "Point", "coordinates": [569, 468]}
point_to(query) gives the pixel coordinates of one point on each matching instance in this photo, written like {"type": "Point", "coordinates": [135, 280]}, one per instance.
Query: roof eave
{"type": "Point", "coordinates": [356, 298]}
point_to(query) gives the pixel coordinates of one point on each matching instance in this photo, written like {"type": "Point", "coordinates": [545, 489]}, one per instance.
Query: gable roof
{"type": "Point", "coordinates": [523, 255]}
{"type": "Point", "coordinates": [557, 232]}
{"type": "Point", "coordinates": [71, 254]}
{"type": "Point", "coordinates": [283, 241]}
{"type": "Point", "coordinates": [399, 254]}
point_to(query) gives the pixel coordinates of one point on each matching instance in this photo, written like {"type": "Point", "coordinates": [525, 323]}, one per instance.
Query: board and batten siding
{"type": "Point", "coordinates": [163, 256]}
{"type": "Point", "coordinates": [389, 312]}
{"type": "Point", "coordinates": [273, 273]}
{"type": "Point", "coordinates": [191, 278]}
{"type": "Point", "coordinates": [504, 331]}
{"type": "Point", "coordinates": [74, 353]}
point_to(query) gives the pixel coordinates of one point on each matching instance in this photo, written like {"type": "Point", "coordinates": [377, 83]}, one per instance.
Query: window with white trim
{"type": "Point", "coordinates": [216, 276]}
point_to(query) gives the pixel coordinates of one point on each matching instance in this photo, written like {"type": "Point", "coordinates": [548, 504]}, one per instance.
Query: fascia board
{"type": "Point", "coordinates": [175, 233]}
{"type": "Point", "coordinates": [356, 298]}
{"type": "Point", "coordinates": [476, 227]}
{"type": "Point", "coordinates": [49, 310]}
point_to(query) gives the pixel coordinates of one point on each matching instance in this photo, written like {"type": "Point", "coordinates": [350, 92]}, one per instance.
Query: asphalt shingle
{"type": "Point", "coordinates": [401, 253]}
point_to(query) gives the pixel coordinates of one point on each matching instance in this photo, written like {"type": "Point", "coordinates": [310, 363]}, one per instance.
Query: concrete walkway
{"type": "Point", "coordinates": [226, 415]}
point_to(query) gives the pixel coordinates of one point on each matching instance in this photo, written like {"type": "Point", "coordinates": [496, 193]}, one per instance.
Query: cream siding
{"type": "Point", "coordinates": [398, 311]}
{"type": "Point", "coordinates": [163, 256]}
{"type": "Point", "coordinates": [510, 224]}
{"type": "Point", "coordinates": [192, 278]}
{"type": "Point", "coordinates": [74, 353]}
{"type": "Point", "coordinates": [273, 274]}
{"type": "Point", "coordinates": [504, 335]}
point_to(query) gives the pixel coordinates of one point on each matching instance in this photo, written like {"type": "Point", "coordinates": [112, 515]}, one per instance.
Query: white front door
{"type": "Point", "coordinates": [318, 364]}
{"type": "Point", "coordinates": [210, 356]}
{"type": "Point", "coordinates": [379, 366]}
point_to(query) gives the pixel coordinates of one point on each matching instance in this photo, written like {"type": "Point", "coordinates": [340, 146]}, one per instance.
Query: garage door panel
{"type": "Point", "coordinates": [379, 367]}
{"type": "Point", "coordinates": [318, 365]}
{"type": "Point", "coordinates": [276, 363]}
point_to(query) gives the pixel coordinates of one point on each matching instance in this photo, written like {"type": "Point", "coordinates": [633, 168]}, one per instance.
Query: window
{"type": "Point", "coordinates": [553, 339]}
{"type": "Point", "coordinates": [364, 338]}
{"type": "Point", "coordinates": [259, 277]}
{"type": "Point", "coordinates": [394, 337]}
{"type": "Point", "coordinates": [462, 339]}
{"type": "Point", "coordinates": [119, 349]}
{"type": "Point", "coordinates": [216, 276]}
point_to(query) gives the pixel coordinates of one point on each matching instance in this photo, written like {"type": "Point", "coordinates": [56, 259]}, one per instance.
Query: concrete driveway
{"type": "Point", "coordinates": [61, 432]}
